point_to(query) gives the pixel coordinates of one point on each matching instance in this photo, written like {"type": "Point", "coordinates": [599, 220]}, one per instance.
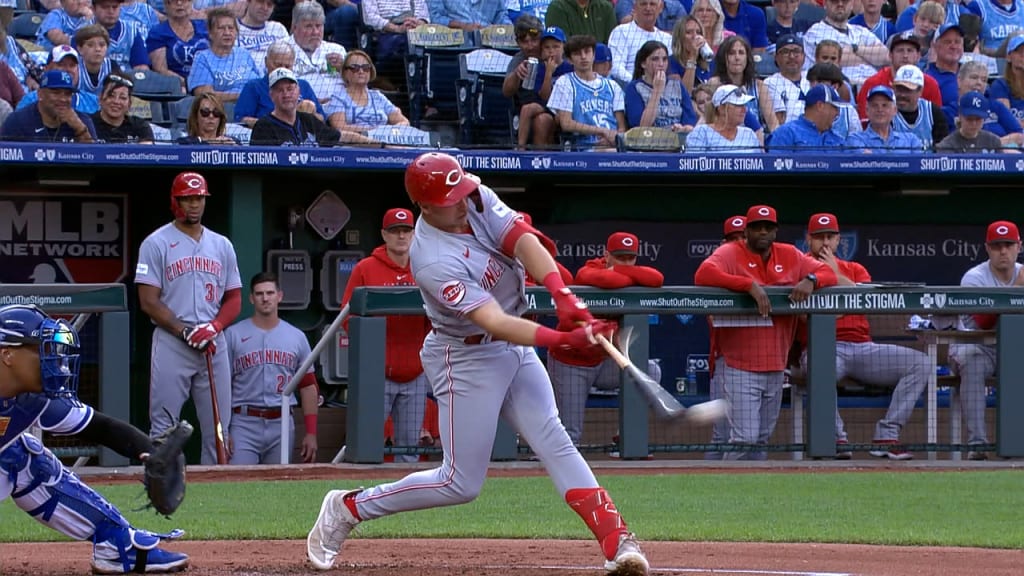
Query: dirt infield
{"type": "Point", "coordinates": [423, 557]}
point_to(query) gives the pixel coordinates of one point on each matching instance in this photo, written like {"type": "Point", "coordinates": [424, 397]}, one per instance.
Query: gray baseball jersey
{"type": "Point", "coordinates": [263, 361]}
{"type": "Point", "coordinates": [192, 277]}
{"type": "Point", "coordinates": [478, 381]}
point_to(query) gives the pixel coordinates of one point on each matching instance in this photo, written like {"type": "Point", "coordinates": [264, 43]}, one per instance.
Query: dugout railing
{"type": "Point", "coordinates": [365, 420]}
{"type": "Point", "coordinates": [100, 312]}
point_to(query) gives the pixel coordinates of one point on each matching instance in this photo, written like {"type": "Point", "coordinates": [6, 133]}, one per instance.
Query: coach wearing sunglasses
{"type": "Point", "coordinates": [357, 108]}
{"type": "Point", "coordinates": [206, 122]}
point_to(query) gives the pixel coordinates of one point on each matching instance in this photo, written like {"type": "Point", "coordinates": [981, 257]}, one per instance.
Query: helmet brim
{"type": "Point", "coordinates": [465, 187]}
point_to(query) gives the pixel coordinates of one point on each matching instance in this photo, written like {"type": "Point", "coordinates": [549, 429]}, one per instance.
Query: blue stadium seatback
{"type": "Point", "coordinates": [155, 87]}
{"type": "Point", "coordinates": [25, 26]}
{"type": "Point", "coordinates": [366, 35]}
{"type": "Point", "coordinates": [432, 68]}
{"type": "Point", "coordinates": [500, 37]}
{"type": "Point", "coordinates": [483, 109]}
{"type": "Point", "coordinates": [765, 65]}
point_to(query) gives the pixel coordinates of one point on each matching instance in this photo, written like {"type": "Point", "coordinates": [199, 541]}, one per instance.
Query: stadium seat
{"type": "Point", "coordinates": [155, 87]}
{"type": "Point", "coordinates": [432, 68]}
{"type": "Point", "coordinates": [650, 139]}
{"type": "Point", "coordinates": [405, 136]}
{"type": "Point", "coordinates": [483, 109]}
{"type": "Point", "coordinates": [501, 37]}
{"type": "Point", "coordinates": [811, 13]}
{"type": "Point", "coordinates": [765, 65]}
{"type": "Point", "coordinates": [366, 36]}
{"type": "Point", "coordinates": [25, 26]}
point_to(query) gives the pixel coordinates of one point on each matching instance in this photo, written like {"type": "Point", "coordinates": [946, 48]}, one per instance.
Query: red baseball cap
{"type": "Point", "coordinates": [823, 222]}
{"type": "Point", "coordinates": [734, 224]}
{"type": "Point", "coordinates": [761, 213]}
{"type": "Point", "coordinates": [623, 243]}
{"type": "Point", "coordinates": [397, 217]}
{"type": "Point", "coordinates": [1002, 231]}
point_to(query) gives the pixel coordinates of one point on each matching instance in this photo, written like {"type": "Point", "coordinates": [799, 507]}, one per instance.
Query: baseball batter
{"type": "Point", "coordinates": [405, 384]}
{"type": "Point", "coordinates": [39, 365]}
{"type": "Point", "coordinates": [468, 254]}
{"type": "Point", "coordinates": [265, 352]}
{"type": "Point", "coordinates": [860, 358]}
{"type": "Point", "coordinates": [573, 372]}
{"type": "Point", "coordinates": [188, 285]}
{"type": "Point", "coordinates": [975, 362]}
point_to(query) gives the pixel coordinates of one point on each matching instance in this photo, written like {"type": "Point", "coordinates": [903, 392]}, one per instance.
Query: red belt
{"type": "Point", "coordinates": [268, 413]}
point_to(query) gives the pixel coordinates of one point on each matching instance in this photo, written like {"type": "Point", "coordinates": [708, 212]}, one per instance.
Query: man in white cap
{"type": "Point", "coordinates": [915, 114]}
{"type": "Point", "coordinates": [879, 137]}
{"type": "Point", "coordinates": [65, 58]}
{"type": "Point", "coordinates": [285, 125]}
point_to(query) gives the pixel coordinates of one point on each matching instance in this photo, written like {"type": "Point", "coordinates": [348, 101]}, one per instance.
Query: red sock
{"type": "Point", "coordinates": [597, 510]}
{"type": "Point", "coordinates": [350, 503]}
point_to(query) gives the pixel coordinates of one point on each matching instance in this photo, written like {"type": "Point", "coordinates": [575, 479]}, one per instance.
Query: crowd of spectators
{"type": "Point", "coordinates": [586, 71]}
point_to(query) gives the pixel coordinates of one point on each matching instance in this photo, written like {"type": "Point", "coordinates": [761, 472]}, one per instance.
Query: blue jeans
{"type": "Point", "coordinates": [341, 24]}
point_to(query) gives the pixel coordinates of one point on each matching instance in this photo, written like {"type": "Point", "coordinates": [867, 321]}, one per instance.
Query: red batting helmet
{"type": "Point", "coordinates": [186, 184]}
{"type": "Point", "coordinates": [437, 179]}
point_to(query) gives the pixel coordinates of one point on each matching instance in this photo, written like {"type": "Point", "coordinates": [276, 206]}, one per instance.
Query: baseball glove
{"type": "Point", "coordinates": [164, 476]}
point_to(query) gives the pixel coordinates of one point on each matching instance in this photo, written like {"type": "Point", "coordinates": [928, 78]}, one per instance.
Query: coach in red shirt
{"type": "Point", "coordinates": [753, 349]}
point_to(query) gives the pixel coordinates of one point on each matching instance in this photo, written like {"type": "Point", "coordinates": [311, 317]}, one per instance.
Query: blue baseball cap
{"type": "Point", "coordinates": [602, 53]}
{"type": "Point", "coordinates": [821, 93]}
{"type": "Point", "coordinates": [1014, 43]}
{"type": "Point", "coordinates": [553, 32]}
{"type": "Point", "coordinates": [57, 80]}
{"type": "Point", "coordinates": [787, 40]}
{"type": "Point", "coordinates": [949, 26]}
{"type": "Point", "coordinates": [883, 90]}
{"type": "Point", "coordinates": [974, 104]}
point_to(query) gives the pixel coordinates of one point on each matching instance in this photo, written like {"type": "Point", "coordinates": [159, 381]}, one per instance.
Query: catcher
{"type": "Point", "coordinates": [39, 364]}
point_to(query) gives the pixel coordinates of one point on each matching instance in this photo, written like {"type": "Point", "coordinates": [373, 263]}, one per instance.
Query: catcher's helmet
{"type": "Point", "coordinates": [57, 341]}
{"type": "Point", "coordinates": [186, 184]}
{"type": "Point", "coordinates": [437, 179]}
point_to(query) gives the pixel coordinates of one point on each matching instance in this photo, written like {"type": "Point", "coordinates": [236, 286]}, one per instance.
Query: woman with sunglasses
{"type": "Point", "coordinates": [357, 108]}
{"type": "Point", "coordinates": [206, 122]}
{"type": "Point", "coordinates": [113, 123]}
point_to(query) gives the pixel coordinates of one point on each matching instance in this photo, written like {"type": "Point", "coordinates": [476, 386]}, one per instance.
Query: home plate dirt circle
{"type": "Point", "coordinates": [366, 557]}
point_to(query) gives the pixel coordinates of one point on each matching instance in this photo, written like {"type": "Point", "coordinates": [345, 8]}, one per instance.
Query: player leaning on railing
{"type": "Point", "coordinates": [39, 364]}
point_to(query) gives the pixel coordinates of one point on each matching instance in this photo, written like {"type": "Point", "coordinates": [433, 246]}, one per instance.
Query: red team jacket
{"type": "Point", "coordinates": [734, 267]}
{"type": "Point", "coordinates": [405, 334]}
{"type": "Point", "coordinates": [849, 327]}
{"type": "Point", "coordinates": [596, 273]}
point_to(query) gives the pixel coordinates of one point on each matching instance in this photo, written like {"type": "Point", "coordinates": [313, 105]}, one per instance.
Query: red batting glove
{"type": "Point", "coordinates": [201, 336]}
{"type": "Point", "coordinates": [569, 309]}
{"type": "Point", "coordinates": [579, 338]}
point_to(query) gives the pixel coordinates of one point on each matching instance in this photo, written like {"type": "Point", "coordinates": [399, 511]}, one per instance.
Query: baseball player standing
{"type": "Point", "coordinates": [188, 284]}
{"type": "Point", "coordinates": [860, 358]}
{"type": "Point", "coordinates": [468, 255]}
{"type": "Point", "coordinates": [752, 351]}
{"type": "Point", "coordinates": [574, 371]}
{"type": "Point", "coordinates": [975, 362]}
{"type": "Point", "coordinates": [265, 352]}
{"type": "Point", "coordinates": [405, 384]}
{"type": "Point", "coordinates": [39, 386]}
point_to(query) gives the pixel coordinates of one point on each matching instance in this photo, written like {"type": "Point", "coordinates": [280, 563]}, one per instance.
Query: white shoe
{"type": "Point", "coordinates": [332, 527]}
{"type": "Point", "coordinates": [629, 559]}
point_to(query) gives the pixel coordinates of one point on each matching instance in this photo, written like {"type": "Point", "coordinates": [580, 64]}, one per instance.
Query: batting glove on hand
{"type": "Point", "coordinates": [583, 336]}
{"type": "Point", "coordinates": [201, 336]}
{"type": "Point", "coordinates": [569, 309]}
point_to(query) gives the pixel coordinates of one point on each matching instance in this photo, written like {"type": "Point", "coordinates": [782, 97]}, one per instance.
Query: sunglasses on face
{"type": "Point", "coordinates": [359, 67]}
{"type": "Point", "coordinates": [208, 112]}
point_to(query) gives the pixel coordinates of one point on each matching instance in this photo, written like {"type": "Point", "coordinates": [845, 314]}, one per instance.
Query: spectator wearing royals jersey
{"type": "Point", "coordinates": [256, 31]}
{"type": "Point", "coordinates": [224, 68]}
{"type": "Point", "coordinates": [586, 103]}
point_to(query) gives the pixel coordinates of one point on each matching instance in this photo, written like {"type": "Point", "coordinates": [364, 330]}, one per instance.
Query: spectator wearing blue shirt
{"type": "Point", "coordinates": [59, 25]}
{"type": "Point", "coordinates": [787, 21]}
{"type": "Point", "coordinates": [653, 99]}
{"type": "Point", "coordinates": [535, 8]}
{"type": "Point", "coordinates": [342, 22]}
{"type": "Point", "coordinates": [224, 68]}
{"type": "Point", "coordinates": [468, 15]}
{"type": "Point", "coordinates": [51, 118]}
{"type": "Point", "coordinates": [879, 137]}
{"type": "Point", "coordinates": [534, 117]}
{"type": "Point", "coordinates": [948, 47]}
{"type": "Point", "coordinates": [126, 48]}
{"type": "Point", "coordinates": [586, 103]}
{"type": "Point", "coordinates": [603, 61]}
{"type": "Point", "coordinates": [747, 21]}
{"type": "Point", "coordinates": [285, 125]}
{"type": "Point", "coordinates": [66, 59]}
{"type": "Point", "coordinates": [1009, 90]}
{"type": "Point", "coordinates": [812, 132]}
{"type": "Point", "coordinates": [671, 13]}
{"type": "Point", "coordinates": [954, 8]}
{"type": "Point", "coordinates": [724, 130]}
{"type": "Point", "coordinates": [10, 52]}
{"type": "Point", "coordinates": [94, 65]}
{"type": "Point", "coordinates": [393, 20]}
{"type": "Point", "coordinates": [973, 77]}
{"type": "Point", "coordinates": [357, 108]}
{"type": "Point", "coordinates": [999, 20]}
{"type": "Point", "coordinates": [139, 12]}
{"type": "Point", "coordinates": [916, 114]}
{"type": "Point", "coordinates": [254, 101]}
{"type": "Point", "coordinates": [692, 60]}
{"type": "Point", "coordinates": [872, 19]}
{"type": "Point", "coordinates": [173, 44]}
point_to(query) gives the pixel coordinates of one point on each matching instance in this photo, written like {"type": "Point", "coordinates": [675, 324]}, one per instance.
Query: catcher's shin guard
{"type": "Point", "coordinates": [55, 497]}
{"type": "Point", "coordinates": [597, 510]}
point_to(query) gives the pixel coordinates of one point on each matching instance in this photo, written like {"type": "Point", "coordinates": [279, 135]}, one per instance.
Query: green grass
{"type": "Point", "coordinates": [903, 508]}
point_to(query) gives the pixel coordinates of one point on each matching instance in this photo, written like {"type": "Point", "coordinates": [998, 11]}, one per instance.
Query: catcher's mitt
{"type": "Point", "coordinates": [165, 469]}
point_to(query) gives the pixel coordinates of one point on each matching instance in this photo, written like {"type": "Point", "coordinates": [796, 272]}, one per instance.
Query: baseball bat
{"type": "Point", "coordinates": [222, 452]}
{"type": "Point", "coordinates": [664, 404]}
{"type": "Point", "coordinates": [315, 353]}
